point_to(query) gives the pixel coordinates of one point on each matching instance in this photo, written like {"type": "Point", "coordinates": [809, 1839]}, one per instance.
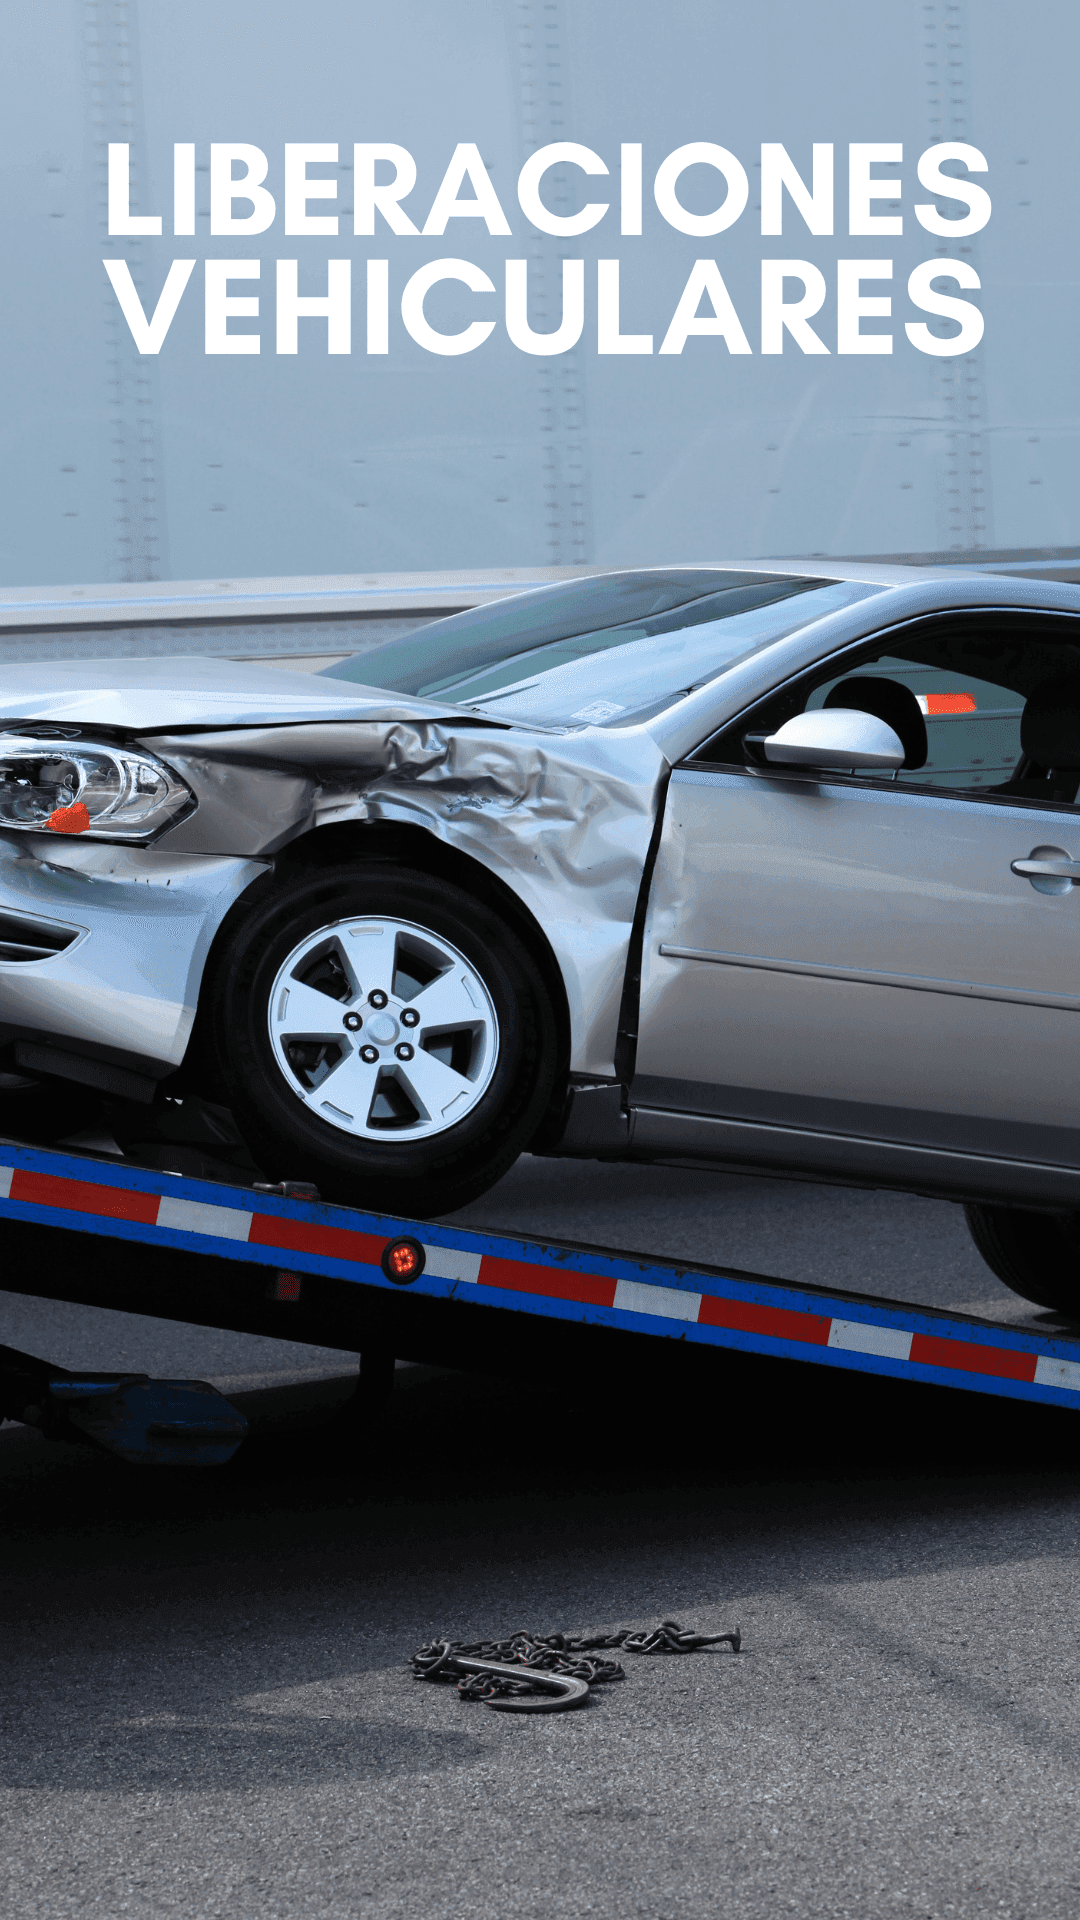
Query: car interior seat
{"type": "Point", "coordinates": [891, 701]}
{"type": "Point", "coordinates": [1049, 743]}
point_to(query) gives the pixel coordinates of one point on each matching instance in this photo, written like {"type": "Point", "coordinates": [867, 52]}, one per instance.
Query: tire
{"type": "Point", "coordinates": [1037, 1255]}
{"type": "Point", "coordinates": [395, 1102]}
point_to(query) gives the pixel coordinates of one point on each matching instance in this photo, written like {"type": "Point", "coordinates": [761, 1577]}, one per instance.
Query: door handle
{"type": "Point", "coordinates": [1050, 870]}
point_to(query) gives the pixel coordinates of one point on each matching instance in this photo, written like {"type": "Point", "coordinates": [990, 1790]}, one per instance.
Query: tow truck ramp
{"type": "Point", "coordinates": [105, 1232]}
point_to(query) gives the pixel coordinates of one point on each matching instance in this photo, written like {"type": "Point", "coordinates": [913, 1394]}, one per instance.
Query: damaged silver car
{"type": "Point", "coordinates": [758, 866]}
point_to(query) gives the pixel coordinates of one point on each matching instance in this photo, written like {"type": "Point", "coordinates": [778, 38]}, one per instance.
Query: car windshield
{"type": "Point", "coordinates": [602, 651]}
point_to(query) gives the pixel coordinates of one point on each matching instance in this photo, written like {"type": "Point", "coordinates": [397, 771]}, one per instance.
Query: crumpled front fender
{"type": "Point", "coordinates": [563, 821]}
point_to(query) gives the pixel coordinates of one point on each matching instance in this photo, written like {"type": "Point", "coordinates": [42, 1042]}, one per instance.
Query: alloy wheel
{"type": "Point", "coordinates": [383, 1029]}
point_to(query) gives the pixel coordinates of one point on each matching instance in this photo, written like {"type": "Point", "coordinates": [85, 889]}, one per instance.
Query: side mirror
{"type": "Point", "coordinates": [837, 737]}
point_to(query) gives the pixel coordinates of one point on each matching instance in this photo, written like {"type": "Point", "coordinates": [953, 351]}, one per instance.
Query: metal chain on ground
{"type": "Point", "coordinates": [480, 1666]}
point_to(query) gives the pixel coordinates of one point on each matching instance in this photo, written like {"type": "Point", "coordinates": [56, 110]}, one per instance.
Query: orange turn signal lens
{"type": "Point", "coordinates": [74, 819]}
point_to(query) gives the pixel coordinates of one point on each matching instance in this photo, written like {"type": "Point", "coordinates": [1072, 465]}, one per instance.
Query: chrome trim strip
{"type": "Point", "coordinates": [960, 989]}
{"type": "Point", "coordinates": [849, 1159]}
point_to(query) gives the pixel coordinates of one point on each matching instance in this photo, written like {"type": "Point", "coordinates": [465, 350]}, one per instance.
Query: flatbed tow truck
{"type": "Point", "coordinates": [279, 1261]}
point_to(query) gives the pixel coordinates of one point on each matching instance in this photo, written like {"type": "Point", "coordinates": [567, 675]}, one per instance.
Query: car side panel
{"type": "Point", "coordinates": [861, 962]}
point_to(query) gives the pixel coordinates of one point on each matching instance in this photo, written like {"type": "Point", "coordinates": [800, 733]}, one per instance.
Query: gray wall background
{"type": "Point", "coordinates": [118, 467]}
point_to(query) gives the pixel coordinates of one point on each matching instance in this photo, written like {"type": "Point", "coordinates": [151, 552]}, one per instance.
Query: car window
{"type": "Point", "coordinates": [986, 706]}
{"type": "Point", "coordinates": [972, 725]}
{"type": "Point", "coordinates": [503, 630]}
{"type": "Point", "coordinates": [556, 667]}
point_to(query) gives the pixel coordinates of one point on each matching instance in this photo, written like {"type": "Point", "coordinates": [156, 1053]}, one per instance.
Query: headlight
{"type": "Point", "coordinates": [67, 786]}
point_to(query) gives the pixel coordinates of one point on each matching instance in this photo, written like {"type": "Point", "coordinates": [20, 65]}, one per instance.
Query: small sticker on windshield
{"type": "Point", "coordinates": [598, 710]}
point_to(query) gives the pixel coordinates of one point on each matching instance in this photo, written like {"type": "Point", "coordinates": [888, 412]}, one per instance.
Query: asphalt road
{"type": "Point", "coordinates": [207, 1709]}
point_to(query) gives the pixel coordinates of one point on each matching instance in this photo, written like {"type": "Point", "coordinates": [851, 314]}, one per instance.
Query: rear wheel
{"type": "Point", "coordinates": [1037, 1255]}
{"type": "Point", "coordinates": [385, 1035]}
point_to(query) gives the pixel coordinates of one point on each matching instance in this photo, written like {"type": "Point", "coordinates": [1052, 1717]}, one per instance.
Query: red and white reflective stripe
{"type": "Point", "coordinates": [794, 1325]}
{"type": "Point", "coordinates": [221, 1223]}
{"type": "Point", "coordinates": [932, 704]}
{"type": "Point", "coordinates": [1050, 1372]}
{"type": "Point", "coordinates": [188, 1216]}
{"type": "Point", "coordinates": [197, 1216]}
{"type": "Point", "coordinates": [451, 1263]}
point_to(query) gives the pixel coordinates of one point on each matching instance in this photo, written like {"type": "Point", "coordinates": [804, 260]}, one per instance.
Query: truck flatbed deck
{"type": "Point", "coordinates": [106, 1232]}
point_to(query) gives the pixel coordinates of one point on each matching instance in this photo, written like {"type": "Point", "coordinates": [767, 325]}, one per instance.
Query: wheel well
{"type": "Point", "coordinates": [413, 847]}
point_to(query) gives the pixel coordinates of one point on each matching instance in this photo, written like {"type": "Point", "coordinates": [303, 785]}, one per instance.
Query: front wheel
{"type": "Point", "coordinates": [385, 1035]}
{"type": "Point", "coordinates": [1037, 1255]}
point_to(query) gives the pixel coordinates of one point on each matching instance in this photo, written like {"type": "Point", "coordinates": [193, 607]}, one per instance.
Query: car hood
{"type": "Point", "coordinates": [191, 691]}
